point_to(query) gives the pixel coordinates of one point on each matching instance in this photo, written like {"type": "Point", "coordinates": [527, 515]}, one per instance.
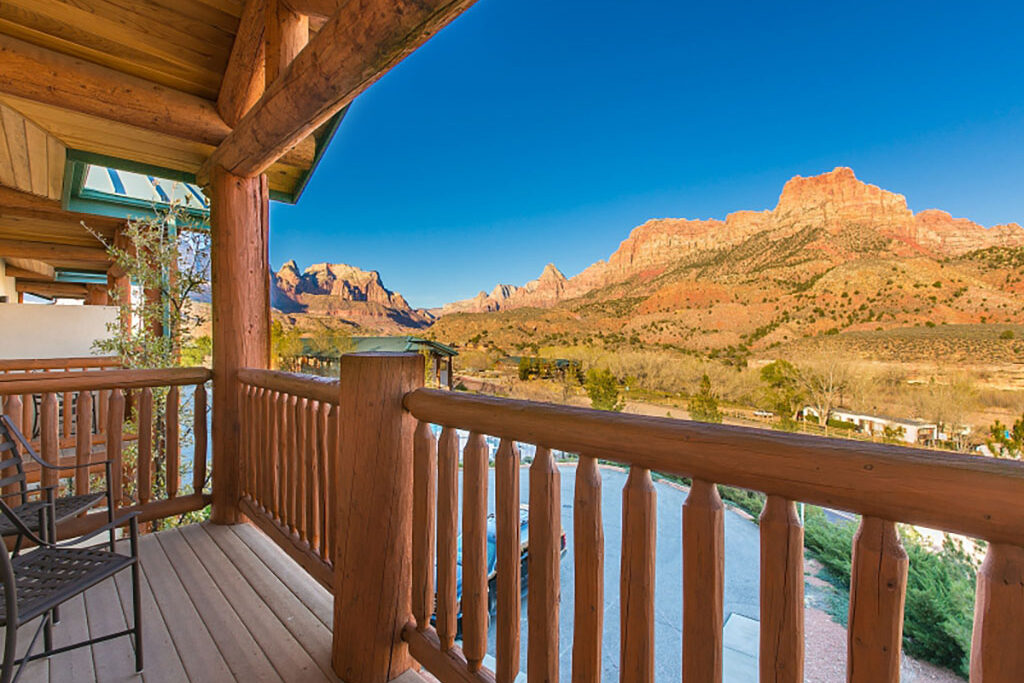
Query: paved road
{"type": "Point", "coordinates": [742, 560]}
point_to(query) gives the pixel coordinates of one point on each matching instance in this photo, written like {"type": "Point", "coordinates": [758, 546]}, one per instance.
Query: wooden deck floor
{"type": "Point", "coordinates": [220, 604]}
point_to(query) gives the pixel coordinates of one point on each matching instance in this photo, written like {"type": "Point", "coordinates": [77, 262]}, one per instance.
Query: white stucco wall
{"type": "Point", "coordinates": [48, 331]}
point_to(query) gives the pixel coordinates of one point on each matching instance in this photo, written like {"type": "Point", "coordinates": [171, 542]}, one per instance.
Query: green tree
{"type": "Point", "coordinates": [782, 391]}
{"type": "Point", "coordinates": [524, 368]}
{"type": "Point", "coordinates": [603, 390]}
{"type": "Point", "coordinates": [704, 404]}
{"type": "Point", "coordinates": [331, 342]}
{"type": "Point", "coordinates": [286, 346]}
{"type": "Point", "coordinates": [1007, 442]}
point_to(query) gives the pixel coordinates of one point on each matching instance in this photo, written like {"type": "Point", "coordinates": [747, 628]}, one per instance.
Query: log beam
{"type": "Point", "coordinates": [316, 8]}
{"type": "Point", "coordinates": [78, 85]}
{"type": "Point", "coordinates": [287, 33]}
{"type": "Point", "coordinates": [30, 269]}
{"type": "Point", "coordinates": [64, 290]}
{"type": "Point", "coordinates": [243, 80]}
{"type": "Point", "coordinates": [48, 251]}
{"type": "Point", "coordinates": [239, 216]}
{"type": "Point", "coordinates": [16, 203]}
{"type": "Point", "coordinates": [360, 43]}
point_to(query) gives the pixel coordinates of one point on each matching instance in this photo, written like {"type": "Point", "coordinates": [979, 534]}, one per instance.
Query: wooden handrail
{"type": "Point", "coordinates": [90, 380]}
{"type": "Point", "coordinates": [23, 365]}
{"type": "Point", "coordinates": [319, 389]}
{"type": "Point", "coordinates": [971, 495]}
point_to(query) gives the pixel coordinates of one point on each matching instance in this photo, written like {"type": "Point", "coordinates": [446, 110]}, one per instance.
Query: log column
{"type": "Point", "coordinates": [239, 227]}
{"type": "Point", "coordinates": [373, 481]}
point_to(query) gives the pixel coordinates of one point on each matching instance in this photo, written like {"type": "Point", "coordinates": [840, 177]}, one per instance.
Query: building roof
{"type": "Point", "coordinates": [404, 344]}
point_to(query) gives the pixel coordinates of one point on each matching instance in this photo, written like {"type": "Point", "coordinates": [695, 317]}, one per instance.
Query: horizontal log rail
{"type": "Point", "coordinates": [9, 365]}
{"type": "Point", "coordinates": [978, 497]}
{"type": "Point", "coordinates": [80, 417]}
{"type": "Point", "coordinates": [289, 440]}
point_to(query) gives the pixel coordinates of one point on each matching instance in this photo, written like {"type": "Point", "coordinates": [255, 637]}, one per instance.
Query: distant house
{"type": "Point", "coordinates": [439, 355]}
{"type": "Point", "coordinates": [911, 431]}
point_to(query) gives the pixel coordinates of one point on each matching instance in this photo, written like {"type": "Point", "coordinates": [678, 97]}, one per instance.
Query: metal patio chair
{"type": "Point", "coordinates": [30, 512]}
{"type": "Point", "coordinates": [36, 582]}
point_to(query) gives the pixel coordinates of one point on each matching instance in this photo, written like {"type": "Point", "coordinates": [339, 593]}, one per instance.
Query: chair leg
{"type": "Point", "coordinates": [136, 595]}
{"type": "Point", "coordinates": [47, 634]}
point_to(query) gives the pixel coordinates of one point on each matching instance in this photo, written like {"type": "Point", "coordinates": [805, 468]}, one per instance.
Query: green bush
{"type": "Point", "coordinates": [939, 609]}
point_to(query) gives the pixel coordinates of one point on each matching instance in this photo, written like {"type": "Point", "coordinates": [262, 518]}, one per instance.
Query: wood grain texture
{"type": "Point", "coordinates": [447, 664]}
{"type": "Point", "coordinates": [59, 382]}
{"type": "Point", "coordinates": [145, 445]}
{"type": "Point", "coordinates": [115, 442]}
{"type": "Point", "coordinates": [13, 408]}
{"type": "Point", "coordinates": [996, 652]}
{"type": "Point", "coordinates": [83, 440]}
{"type": "Point", "coordinates": [239, 219]}
{"type": "Point", "coordinates": [200, 439]}
{"type": "Point", "coordinates": [373, 563]}
{"type": "Point", "coordinates": [782, 593]}
{"type": "Point", "coordinates": [703, 580]}
{"type": "Point", "coordinates": [639, 535]}
{"type": "Point", "coordinates": [243, 81]}
{"type": "Point", "coordinates": [974, 496]}
{"type": "Point", "coordinates": [588, 552]}
{"type": "Point", "coordinates": [509, 557]}
{"type": "Point", "coordinates": [424, 505]}
{"type": "Point", "coordinates": [287, 32]}
{"type": "Point", "coordinates": [878, 584]}
{"type": "Point", "coordinates": [474, 550]}
{"type": "Point", "coordinates": [49, 438]}
{"type": "Point", "coordinates": [173, 442]}
{"type": "Point", "coordinates": [545, 529]}
{"type": "Point", "coordinates": [447, 532]}
{"type": "Point", "coordinates": [322, 389]}
{"type": "Point", "coordinates": [353, 49]}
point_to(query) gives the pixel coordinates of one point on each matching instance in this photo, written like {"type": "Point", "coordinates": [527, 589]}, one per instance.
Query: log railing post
{"type": "Point", "coordinates": [373, 481]}
{"type": "Point", "coordinates": [782, 593]}
{"type": "Point", "coordinates": [997, 649]}
{"type": "Point", "coordinates": [239, 228]}
{"type": "Point", "coordinates": [703, 579]}
{"type": "Point", "coordinates": [878, 584]}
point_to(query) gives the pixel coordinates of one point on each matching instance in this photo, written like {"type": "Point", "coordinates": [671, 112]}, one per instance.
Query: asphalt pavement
{"type": "Point", "coordinates": [742, 561]}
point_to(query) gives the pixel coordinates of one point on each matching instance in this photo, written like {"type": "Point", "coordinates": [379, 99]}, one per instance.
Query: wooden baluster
{"type": "Point", "coordinates": [424, 500]}
{"type": "Point", "coordinates": [333, 453]}
{"type": "Point", "coordinates": [447, 531]}
{"type": "Point", "coordinates": [280, 453]}
{"type": "Point", "coordinates": [782, 593]}
{"type": "Point", "coordinates": [49, 439]}
{"type": "Point", "coordinates": [878, 583]}
{"type": "Point", "coordinates": [509, 551]}
{"type": "Point", "coordinates": [199, 431]}
{"type": "Point", "coordinates": [588, 548]}
{"type": "Point", "coordinates": [288, 460]}
{"type": "Point", "coordinates": [545, 534]}
{"type": "Point", "coordinates": [474, 551]}
{"type": "Point", "coordinates": [115, 423]}
{"type": "Point", "coordinates": [703, 571]}
{"type": "Point", "coordinates": [297, 461]}
{"type": "Point", "coordinates": [67, 400]}
{"type": "Point", "coordinates": [310, 531]}
{"type": "Point", "coordinates": [639, 531]}
{"type": "Point", "coordinates": [997, 655]}
{"type": "Point", "coordinates": [145, 447]}
{"type": "Point", "coordinates": [13, 410]}
{"type": "Point", "coordinates": [267, 446]}
{"type": "Point", "coordinates": [28, 415]}
{"type": "Point", "coordinates": [83, 441]}
{"type": "Point", "coordinates": [173, 444]}
{"type": "Point", "coordinates": [101, 411]}
{"type": "Point", "coordinates": [320, 540]}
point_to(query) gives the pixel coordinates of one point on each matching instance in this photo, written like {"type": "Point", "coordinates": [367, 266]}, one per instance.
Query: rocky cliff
{"type": "Point", "coordinates": [345, 292]}
{"type": "Point", "coordinates": [828, 218]}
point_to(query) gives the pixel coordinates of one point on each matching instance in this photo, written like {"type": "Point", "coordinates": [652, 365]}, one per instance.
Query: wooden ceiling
{"type": "Point", "coordinates": [183, 45]}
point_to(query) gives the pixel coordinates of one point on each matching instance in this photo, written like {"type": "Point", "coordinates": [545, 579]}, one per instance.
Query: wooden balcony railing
{"type": "Point", "coordinates": [979, 497]}
{"type": "Point", "coordinates": [116, 387]}
{"type": "Point", "coordinates": [67, 401]}
{"type": "Point", "coordinates": [290, 441]}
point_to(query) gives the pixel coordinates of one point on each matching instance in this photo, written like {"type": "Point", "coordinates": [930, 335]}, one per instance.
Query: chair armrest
{"type": "Point", "coordinates": [35, 456]}
{"type": "Point", "coordinates": [120, 521]}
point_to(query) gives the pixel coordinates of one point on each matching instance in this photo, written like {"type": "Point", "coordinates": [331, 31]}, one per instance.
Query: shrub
{"type": "Point", "coordinates": [1006, 334]}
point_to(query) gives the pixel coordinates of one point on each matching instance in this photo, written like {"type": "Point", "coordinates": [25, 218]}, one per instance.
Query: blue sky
{"type": "Point", "coordinates": [531, 131]}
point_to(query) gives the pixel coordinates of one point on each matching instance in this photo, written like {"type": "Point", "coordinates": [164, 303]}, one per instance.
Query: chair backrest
{"type": "Point", "coordinates": [12, 470]}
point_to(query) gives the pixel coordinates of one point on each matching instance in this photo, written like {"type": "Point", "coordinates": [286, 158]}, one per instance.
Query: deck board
{"type": "Point", "coordinates": [219, 604]}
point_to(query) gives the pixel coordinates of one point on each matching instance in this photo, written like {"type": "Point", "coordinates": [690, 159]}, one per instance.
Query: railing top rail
{"type": "Point", "coordinates": [88, 380]}
{"type": "Point", "coordinates": [320, 389]}
{"type": "Point", "coordinates": [24, 364]}
{"type": "Point", "coordinates": [973, 495]}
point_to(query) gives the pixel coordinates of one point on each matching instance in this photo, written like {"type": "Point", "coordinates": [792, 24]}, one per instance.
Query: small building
{"type": "Point", "coordinates": [911, 431]}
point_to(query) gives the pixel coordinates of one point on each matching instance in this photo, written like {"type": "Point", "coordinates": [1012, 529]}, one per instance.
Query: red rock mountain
{"type": "Point", "coordinates": [825, 220]}
{"type": "Point", "coordinates": [344, 292]}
